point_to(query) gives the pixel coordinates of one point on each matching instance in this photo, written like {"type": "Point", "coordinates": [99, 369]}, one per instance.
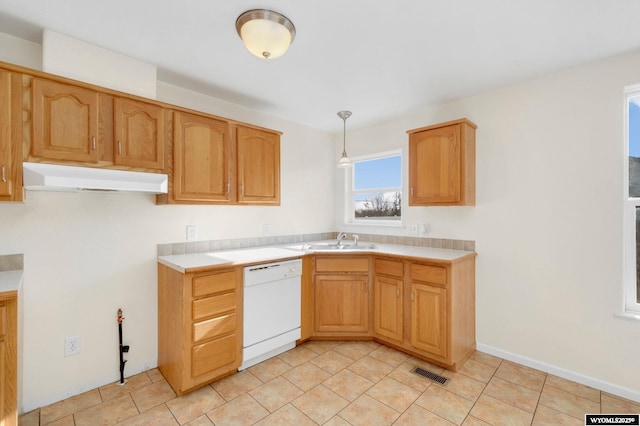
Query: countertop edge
{"type": "Point", "coordinates": [401, 251]}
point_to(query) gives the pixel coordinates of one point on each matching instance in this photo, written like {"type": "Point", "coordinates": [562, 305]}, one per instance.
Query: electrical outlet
{"type": "Point", "coordinates": [424, 229]}
{"type": "Point", "coordinates": [72, 346]}
{"type": "Point", "coordinates": [413, 229]}
{"type": "Point", "coordinates": [192, 233]}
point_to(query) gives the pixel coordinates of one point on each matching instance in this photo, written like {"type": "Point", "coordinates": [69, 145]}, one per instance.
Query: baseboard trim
{"type": "Point", "coordinates": [561, 372]}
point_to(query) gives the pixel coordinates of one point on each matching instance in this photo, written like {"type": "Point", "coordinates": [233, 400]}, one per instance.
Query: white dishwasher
{"type": "Point", "coordinates": [271, 310]}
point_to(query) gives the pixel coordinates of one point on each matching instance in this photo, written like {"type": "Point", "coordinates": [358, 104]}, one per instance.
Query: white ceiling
{"type": "Point", "coordinates": [379, 59]}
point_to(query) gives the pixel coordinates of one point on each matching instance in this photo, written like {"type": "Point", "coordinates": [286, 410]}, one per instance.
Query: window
{"type": "Point", "coordinates": [376, 190]}
{"type": "Point", "coordinates": [632, 201]}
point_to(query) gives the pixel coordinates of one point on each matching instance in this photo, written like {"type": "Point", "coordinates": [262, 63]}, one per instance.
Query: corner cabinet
{"type": "Point", "coordinates": [258, 166]}
{"type": "Point", "coordinates": [10, 137]}
{"type": "Point", "coordinates": [199, 326]}
{"type": "Point", "coordinates": [388, 292]}
{"type": "Point", "coordinates": [442, 164]}
{"type": "Point", "coordinates": [8, 359]}
{"type": "Point", "coordinates": [341, 295]}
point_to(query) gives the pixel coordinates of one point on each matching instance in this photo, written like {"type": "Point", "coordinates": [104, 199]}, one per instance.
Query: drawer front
{"type": "Point", "coordinates": [214, 305]}
{"type": "Point", "coordinates": [214, 283]}
{"type": "Point", "coordinates": [214, 327]}
{"type": "Point", "coordinates": [395, 268]}
{"type": "Point", "coordinates": [213, 355]}
{"type": "Point", "coordinates": [342, 264]}
{"type": "Point", "coordinates": [430, 274]}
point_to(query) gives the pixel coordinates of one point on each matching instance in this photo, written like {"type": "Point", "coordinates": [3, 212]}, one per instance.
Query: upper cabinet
{"type": "Point", "coordinates": [139, 129]}
{"type": "Point", "coordinates": [442, 164]}
{"type": "Point", "coordinates": [201, 159]}
{"type": "Point", "coordinates": [209, 160]}
{"type": "Point", "coordinates": [10, 137]}
{"type": "Point", "coordinates": [258, 166]}
{"type": "Point", "coordinates": [65, 122]}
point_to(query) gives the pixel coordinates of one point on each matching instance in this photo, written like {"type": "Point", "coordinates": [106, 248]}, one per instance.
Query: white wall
{"type": "Point", "coordinates": [547, 223]}
{"type": "Point", "coordinates": [88, 254]}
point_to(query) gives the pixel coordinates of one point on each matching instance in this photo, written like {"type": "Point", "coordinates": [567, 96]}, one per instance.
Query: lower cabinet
{"type": "Point", "coordinates": [8, 359]}
{"type": "Point", "coordinates": [429, 319]}
{"type": "Point", "coordinates": [388, 299]}
{"type": "Point", "coordinates": [423, 307]}
{"type": "Point", "coordinates": [341, 295]}
{"type": "Point", "coordinates": [199, 326]}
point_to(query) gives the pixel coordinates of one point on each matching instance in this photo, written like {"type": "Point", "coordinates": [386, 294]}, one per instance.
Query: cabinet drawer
{"type": "Point", "coordinates": [213, 355]}
{"type": "Point", "coordinates": [214, 305]}
{"type": "Point", "coordinates": [394, 268]}
{"type": "Point", "coordinates": [342, 264]}
{"type": "Point", "coordinates": [214, 327]}
{"type": "Point", "coordinates": [3, 313]}
{"type": "Point", "coordinates": [214, 283]}
{"type": "Point", "coordinates": [431, 274]}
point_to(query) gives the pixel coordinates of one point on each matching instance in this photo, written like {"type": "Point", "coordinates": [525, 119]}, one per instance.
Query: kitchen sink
{"type": "Point", "coordinates": [336, 247]}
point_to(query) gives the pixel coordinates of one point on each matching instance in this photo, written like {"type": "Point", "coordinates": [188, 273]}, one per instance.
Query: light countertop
{"type": "Point", "coordinates": [198, 261]}
{"type": "Point", "coordinates": [10, 281]}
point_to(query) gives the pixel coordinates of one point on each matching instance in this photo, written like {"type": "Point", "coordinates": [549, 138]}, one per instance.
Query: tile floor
{"type": "Point", "coordinates": [343, 383]}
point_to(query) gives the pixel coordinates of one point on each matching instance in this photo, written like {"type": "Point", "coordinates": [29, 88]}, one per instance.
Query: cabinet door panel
{"type": "Point", "coordinates": [202, 153]}
{"type": "Point", "coordinates": [388, 307]}
{"type": "Point", "coordinates": [429, 319]}
{"type": "Point", "coordinates": [139, 129]}
{"type": "Point", "coordinates": [258, 154]}
{"type": "Point", "coordinates": [434, 166]}
{"type": "Point", "coordinates": [6, 139]}
{"type": "Point", "coordinates": [341, 303]}
{"type": "Point", "coordinates": [65, 122]}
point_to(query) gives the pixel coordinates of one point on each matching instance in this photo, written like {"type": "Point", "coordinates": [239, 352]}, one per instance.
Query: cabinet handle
{"type": "Point", "coordinates": [241, 189]}
{"type": "Point", "coordinates": [119, 148]}
{"type": "Point", "coordinates": [228, 187]}
{"type": "Point", "coordinates": [4, 175]}
{"type": "Point", "coordinates": [93, 143]}
{"type": "Point", "coordinates": [412, 191]}
{"type": "Point", "coordinates": [398, 293]}
{"type": "Point", "coordinates": [412, 296]}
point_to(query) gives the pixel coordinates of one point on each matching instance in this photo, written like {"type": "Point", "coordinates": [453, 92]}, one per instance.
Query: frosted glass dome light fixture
{"type": "Point", "coordinates": [265, 33]}
{"type": "Point", "coordinates": [344, 161]}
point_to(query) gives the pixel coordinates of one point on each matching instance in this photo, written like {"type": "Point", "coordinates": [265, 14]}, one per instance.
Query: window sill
{"type": "Point", "coordinates": [628, 315]}
{"type": "Point", "coordinates": [377, 223]}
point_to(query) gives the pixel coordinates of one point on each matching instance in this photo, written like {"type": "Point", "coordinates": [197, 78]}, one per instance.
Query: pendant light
{"type": "Point", "coordinates": [344, 161]}
{"type": "Point", "coordinates": [265, 33]}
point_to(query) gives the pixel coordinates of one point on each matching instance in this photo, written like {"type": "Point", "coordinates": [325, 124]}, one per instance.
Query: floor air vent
{"type": "Point", "coordinates": [431, 376]}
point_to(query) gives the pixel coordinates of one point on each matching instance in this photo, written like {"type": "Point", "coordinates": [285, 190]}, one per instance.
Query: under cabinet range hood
{"type": "Point", "coordinates": [53, 177]}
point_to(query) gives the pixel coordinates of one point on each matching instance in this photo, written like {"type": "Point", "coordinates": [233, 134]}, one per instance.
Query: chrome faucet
{"type": "Point", "coordinates": [355, 239]}
{"type": "Point", "coordinates": [341, 236]}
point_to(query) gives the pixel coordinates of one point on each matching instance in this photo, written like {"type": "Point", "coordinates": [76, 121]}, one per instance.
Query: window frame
{"type": "Point", "coordinates": [630, 204]}
{"type": "Point", "coordinates": [350, 192]}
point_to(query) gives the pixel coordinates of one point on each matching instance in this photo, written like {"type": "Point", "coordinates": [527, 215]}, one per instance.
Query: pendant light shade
{"type": "Point", "coordinates": [265, 33]}
{"type": "Point", "coordinates": [344, 161]}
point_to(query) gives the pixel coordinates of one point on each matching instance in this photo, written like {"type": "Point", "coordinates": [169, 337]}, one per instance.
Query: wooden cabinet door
{"type": "Point", "coordinates": [429, 319]}
{"type": "Point", "coordinates": [387, 307]}
{"type": "Point", "coordinates": [202, 159]}
{"type": "Point", "coordinates": [139, 129]}
{"type": "Point", "coordinates": [258, 166]}
{"type": "Point", "coordinates": [10, 137]}
{"type": "Point", "coordinates": [434, 166]}
{"type": "Point", "coordinates": [341, 303]}
{"type": "Point", "coordinates": [65, 122]}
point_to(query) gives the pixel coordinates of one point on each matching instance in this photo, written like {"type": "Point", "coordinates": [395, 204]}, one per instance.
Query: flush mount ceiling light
{"type": "Point", "coordinates": [265, 33]}
{"type": "Point", "coordinates": [344, 161]}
